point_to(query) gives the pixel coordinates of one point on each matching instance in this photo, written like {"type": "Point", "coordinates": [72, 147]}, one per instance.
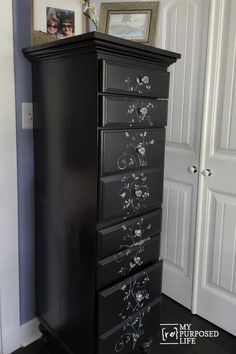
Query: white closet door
{"type": "Point", "coordinates": [182, 28]}
{"type": "Point", "coordinates": [216, 288]}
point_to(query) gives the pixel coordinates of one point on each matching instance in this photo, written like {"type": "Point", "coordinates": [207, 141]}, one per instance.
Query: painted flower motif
{"type": "Point", "coordinates": [133, 259]}
{"type": "Point", "coordinates": [138, 85]}
{"type": "Point", "coordinates": [133, 331]}
{"type": "Point", "coordinates": [135, 296]}
{"type": "Point", "coordinates": [136, 148]}
{"type": "Point", "coordinates": [140, 113]}
{"type": "Point", "coordinates": [134, 192]}
{"type": "Point", "coordinates": [134, 234]}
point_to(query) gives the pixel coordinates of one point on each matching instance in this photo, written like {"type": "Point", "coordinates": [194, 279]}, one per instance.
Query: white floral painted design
{"type": "Point", "coordinates": [135, 295]}
{"type": "Point", "coordinates": [133, 330]}
{"type": "Point", "coordinates": [140, 113]}
{"type": "Point", "coordinates": [134, 192]}
{"type": "Point", "coordinates": [135, 154]}
{"type": "Point", "coordinates": [133, 235]}
{"type": "Point", "coordinates": [131, 259]}
{"type": "Point", "coordinates": [138, 85]}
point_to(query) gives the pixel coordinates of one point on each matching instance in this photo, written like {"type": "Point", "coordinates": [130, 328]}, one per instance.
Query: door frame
{"type": "Point", "coordinates": [9, 257]}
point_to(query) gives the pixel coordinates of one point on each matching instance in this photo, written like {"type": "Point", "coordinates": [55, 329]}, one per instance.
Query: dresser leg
{"type": "Point", "coordinates": [45, 339]}
{"type": "Point", "coordinates": [146, 346]}
{"type": "Point", "coordinates": [42, 329]}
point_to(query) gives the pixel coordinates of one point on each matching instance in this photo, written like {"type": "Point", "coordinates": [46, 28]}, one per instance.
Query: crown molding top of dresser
{"type": "Point", "coordinates": [99, 42]}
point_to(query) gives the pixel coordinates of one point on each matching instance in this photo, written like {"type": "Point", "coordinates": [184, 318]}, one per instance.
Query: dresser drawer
{"type": "Point", "coordinates": [133, 112]}
{"type": "Point", "coordinates": [129, 335]}
{"type": "Point", "coordinates": [116, 267]}
{"type": "Point", "coordinates": [122, 301]}
{"type": "Point", "coordinates": [123, 151]}
{"type": "Point", "coordinates": [123, 196]}
{"type": "Point", "coordinates": [128, 234]}
{"type": "Point", "coordinates": [134, 79]}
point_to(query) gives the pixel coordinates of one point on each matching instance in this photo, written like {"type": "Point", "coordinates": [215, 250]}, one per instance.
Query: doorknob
{"type": "Point", "coordinates": [207, 172]}
{"type": "Point", "coordinates": [192, 169]}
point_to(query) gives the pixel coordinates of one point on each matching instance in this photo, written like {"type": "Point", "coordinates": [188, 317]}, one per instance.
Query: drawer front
{"type": "Point", "coordinates": [132, 112]}
{"type": "Point", "coordinates": [116, 267]}
{"type": "Point", "coordinates": [131, 150]}
{"type": "Point", "coordinates": [125, 195]}
{"type": "Point", "coordinates": [134, 79]}
{"type": "Point", "coordinates": [127, 337]}
{"type": "Point", "coordinates": [128, 234]}
{"type": "Point", "coordinates": [124, 300]}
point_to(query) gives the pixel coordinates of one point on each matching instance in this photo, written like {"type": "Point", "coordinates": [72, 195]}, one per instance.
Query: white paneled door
{"type": "Point", "coordinates": [215, 288]}
{"type": "Point", "coordinates": [183, 28]}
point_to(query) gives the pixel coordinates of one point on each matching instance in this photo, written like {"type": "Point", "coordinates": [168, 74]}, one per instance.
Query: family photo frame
{"type": "Point", "coordinates": [56, 19]}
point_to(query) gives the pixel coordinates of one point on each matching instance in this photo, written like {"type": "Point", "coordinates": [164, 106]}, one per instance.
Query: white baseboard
{"type": "Point", "coordinates": [29, 332]}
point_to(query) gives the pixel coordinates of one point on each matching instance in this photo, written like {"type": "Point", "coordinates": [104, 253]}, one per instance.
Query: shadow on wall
{"type": "Point", "coordinates": [25, 161]}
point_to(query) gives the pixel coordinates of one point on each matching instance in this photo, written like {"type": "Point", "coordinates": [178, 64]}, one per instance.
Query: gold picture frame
{"type": "Point", "coordinates": [136, 21]}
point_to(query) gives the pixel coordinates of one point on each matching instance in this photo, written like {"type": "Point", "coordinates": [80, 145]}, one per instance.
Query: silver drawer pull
{"type": "Point", "coordinates": [137, 260]}
{"type": "Point", "coordinates": [143, 110]}
{"type": "Point", "coordinates": [139, 297]}
{"type": "Point", "coordinates": [138, 232]}
{"type": "Point", "coordinates": [141, 150]}
{"type": "Point", "coordinates": [145, 79]}
{"type": "Point", "coordinates": [138, 193]}
{"type": "Point", "coordinates": [135, 337]}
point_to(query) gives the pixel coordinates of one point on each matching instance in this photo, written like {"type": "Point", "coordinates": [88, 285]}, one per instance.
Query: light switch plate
{"type": "Point", "coordinates": [27, 115]}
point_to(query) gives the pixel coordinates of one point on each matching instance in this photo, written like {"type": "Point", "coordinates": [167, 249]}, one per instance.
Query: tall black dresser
{"type": "Point", "coordinates": [100, 110]}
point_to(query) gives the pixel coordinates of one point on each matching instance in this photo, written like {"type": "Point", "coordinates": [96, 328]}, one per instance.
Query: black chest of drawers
{"type": "Point", "coordinates": [100, 110]}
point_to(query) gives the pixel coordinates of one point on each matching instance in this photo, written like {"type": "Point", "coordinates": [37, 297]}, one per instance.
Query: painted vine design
{"type": "Point", "coordinates": [134, 192]}
{"type": "Point", "coordinates": [138, 85]}
{"type": "Point", "coordinates": [133, 234]}
{"type": "Point", "coordinates": [133, 330]}
{"type": "Point", "coordinates": [140, 113]}
{"type": "Point", "coordinates": [135, 154]}
{"type": "Point", "coordinates": [135, 296]}
{"type": "Point", "coordinates": [133, 259]}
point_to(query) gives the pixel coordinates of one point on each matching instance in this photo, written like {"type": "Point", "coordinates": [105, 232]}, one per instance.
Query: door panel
{"type": "Point", "coordinates": [182, 17]}
{"type": "Point", "coordinates": [175, 247]}
{"type": "Point", "coordinates": [176, 225]}
{"type": "Point", "coordinates": [183, 28]}
{"type": "Point", "coordinates": [216, 262]}
{"type": "Point", "coordinates": [221, 242]}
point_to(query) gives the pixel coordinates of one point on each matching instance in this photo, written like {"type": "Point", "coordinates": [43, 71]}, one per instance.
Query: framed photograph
{"type": "Point", "coordinates": [136, 21]}
{"type": "Point", "coordinates": [56, 19]}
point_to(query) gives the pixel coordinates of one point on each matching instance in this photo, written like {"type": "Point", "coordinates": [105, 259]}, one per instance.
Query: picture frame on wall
{"type": "Point", "coordinates": [136, 21]}
{"type": "Point", "coordinates": [56, 19]}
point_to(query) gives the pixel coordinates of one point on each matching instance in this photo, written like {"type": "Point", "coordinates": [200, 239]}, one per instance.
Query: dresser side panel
{"type": "Point", "coordinates": [65, 138]}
